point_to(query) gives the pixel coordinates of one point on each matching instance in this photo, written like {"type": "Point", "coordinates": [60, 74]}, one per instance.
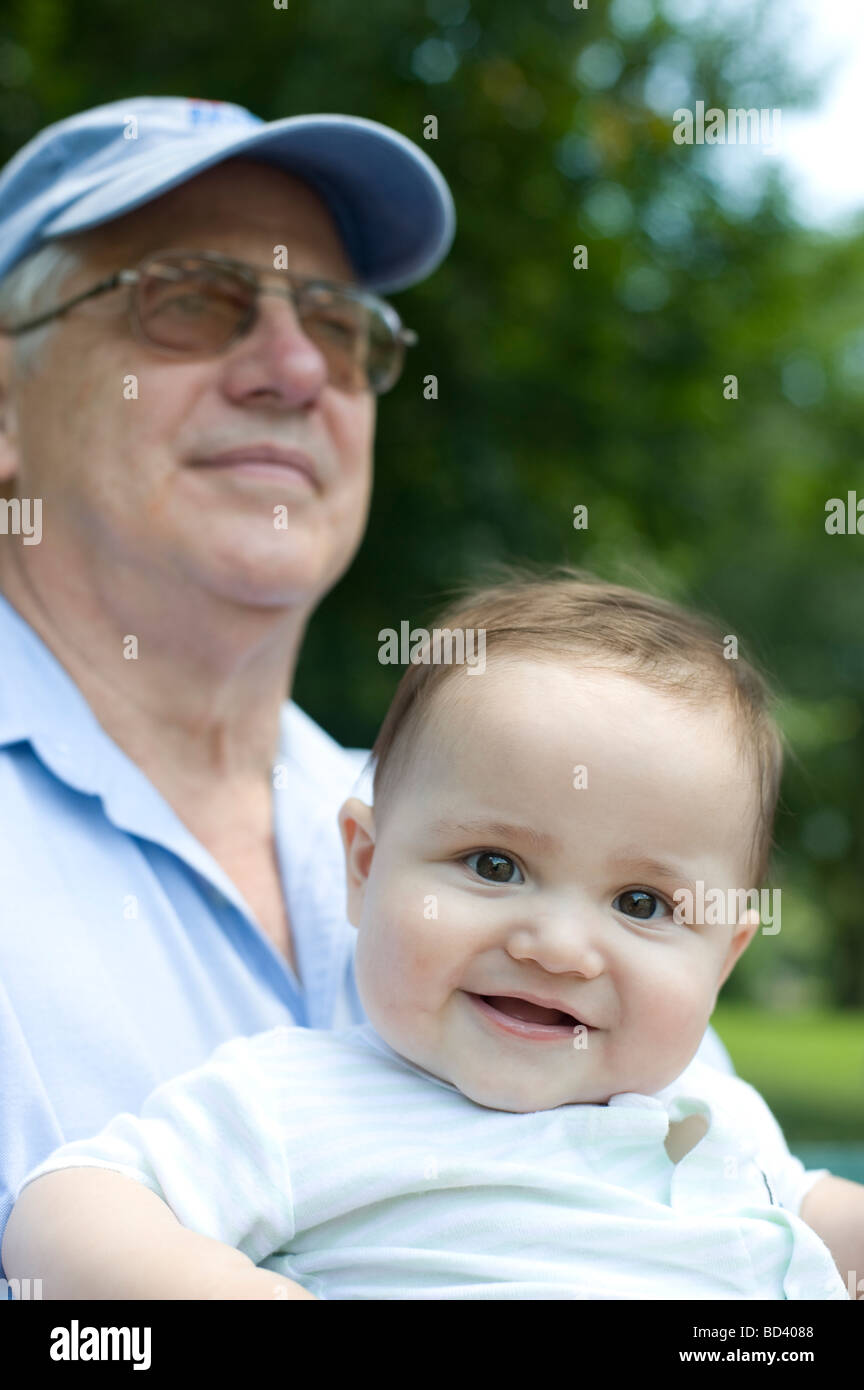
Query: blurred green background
{"type": "Point", "coordinates": [602, 386]}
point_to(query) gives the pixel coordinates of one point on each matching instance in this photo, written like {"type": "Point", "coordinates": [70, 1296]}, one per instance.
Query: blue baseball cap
{"type": "Point", "coordinates": [389, 201]}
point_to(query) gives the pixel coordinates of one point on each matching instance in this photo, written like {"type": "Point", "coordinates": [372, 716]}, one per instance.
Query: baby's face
{"type": "Point", "coordinates": [499, 904]}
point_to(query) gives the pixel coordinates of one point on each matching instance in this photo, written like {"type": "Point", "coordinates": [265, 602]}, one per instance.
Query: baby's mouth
{"type": "Point", "coordinates": [525, 1018]}
{"type": "Point", "coordinates": [527, 1012]}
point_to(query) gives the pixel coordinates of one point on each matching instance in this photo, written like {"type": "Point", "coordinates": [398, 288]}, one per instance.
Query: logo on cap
{"type": "Point", "coordinates": [203, 111]}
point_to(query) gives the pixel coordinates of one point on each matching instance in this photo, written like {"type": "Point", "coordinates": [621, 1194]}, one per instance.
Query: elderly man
{"type": "Point", "coordinates": [196, 428]}
{"type": "Point", "coordinates": [193, 346]}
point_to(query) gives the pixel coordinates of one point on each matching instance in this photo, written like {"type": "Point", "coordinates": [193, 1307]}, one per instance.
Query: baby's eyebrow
{"type": "Point", "coordinates": [655, 868]}
{"type": "Point", "coordinates": [498, 830]}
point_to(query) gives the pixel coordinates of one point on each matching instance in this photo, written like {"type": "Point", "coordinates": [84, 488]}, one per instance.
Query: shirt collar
{"type": "Point", "coordinates": [34, 687]}
{"type": "Point", "coordinates": [40, 704]}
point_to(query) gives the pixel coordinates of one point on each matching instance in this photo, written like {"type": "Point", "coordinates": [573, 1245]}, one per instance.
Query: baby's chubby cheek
{"type": "Point", "coordinates": [404, 964]}
{"type": "Point", "coordinates": [670, 1007]}
{"type": "Point", "coordinates": [683, 1036]}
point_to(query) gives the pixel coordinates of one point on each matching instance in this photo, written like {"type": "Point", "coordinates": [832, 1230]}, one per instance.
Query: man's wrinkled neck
{"type": "Point", "coordinates": [171, 670]}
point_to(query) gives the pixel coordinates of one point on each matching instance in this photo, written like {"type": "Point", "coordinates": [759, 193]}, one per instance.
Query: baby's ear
{"type": "Point", "coordinates": [357, 826]}
{"type": "Point", "coordinates": [741, 938]}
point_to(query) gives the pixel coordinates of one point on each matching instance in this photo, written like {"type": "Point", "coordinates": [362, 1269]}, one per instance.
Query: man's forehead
{"type": "Point", "coordinates": [242, 208]}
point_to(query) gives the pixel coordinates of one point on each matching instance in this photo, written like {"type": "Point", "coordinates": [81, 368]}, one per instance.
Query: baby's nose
{"type": "Point", "coordinates": [560, 942]}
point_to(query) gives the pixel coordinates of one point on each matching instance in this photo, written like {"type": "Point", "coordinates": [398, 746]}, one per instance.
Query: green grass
{"type": "Point", "coordinates": [809, 1067]}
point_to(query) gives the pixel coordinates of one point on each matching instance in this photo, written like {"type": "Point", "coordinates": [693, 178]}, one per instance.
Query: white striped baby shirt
{"type": "Point", "coordinates": [327, 1157]}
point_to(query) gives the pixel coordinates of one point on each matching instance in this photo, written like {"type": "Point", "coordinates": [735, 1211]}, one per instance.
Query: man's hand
{"type": "Point", "coordinates": [834, 1209]}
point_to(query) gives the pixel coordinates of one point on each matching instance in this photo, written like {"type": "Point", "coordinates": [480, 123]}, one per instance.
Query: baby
{"type": "Point", "coordinates": [523, 1116]}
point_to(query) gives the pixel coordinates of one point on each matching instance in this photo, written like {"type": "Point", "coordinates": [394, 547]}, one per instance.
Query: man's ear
{"type": "Point", "coordinates": [8, 425]}
{"type": "Point", "coordinates": [357, 824]}
{"type": "Point", "coordinates": [742, 936]}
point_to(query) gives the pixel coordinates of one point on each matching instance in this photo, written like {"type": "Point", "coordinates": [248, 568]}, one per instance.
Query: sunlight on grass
{"type": "Point", "coordinates": [809, 1067]}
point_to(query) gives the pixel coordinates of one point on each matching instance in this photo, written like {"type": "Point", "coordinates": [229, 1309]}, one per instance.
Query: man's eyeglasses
{"type": "Point", "coordinates": [192, 303]}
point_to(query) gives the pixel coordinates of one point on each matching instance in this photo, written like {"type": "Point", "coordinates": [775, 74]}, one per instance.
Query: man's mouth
{"type": "Point", "coordinates": [526, 1017]}
{"type": "Point", "coordinates": [264, 461]}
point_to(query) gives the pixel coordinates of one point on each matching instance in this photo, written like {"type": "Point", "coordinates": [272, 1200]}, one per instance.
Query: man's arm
{"type": "Point", "coordinates": [91, 1233]}
{"type": "Point", "coordinates": [834, 1209]}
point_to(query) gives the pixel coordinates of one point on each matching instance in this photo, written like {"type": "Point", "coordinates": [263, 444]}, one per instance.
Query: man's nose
{"type": "Point", "coordinates": [276, 361]}
{"type": "Point", "coordinates": [561, 940]}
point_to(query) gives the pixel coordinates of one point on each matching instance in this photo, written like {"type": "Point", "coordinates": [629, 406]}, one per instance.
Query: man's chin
{"type": "Point", "coordinates": [264, 581]}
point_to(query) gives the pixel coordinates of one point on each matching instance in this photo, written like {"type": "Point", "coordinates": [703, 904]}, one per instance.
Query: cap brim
{"type": "Point", "coordinates": [390, 203]}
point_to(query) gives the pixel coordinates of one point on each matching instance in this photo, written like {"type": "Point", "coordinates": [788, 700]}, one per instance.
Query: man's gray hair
{"type": "Point", "coordinates": [30, 288]}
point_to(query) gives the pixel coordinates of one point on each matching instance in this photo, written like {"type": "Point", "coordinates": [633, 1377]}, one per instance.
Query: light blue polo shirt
{"type": "Point", "coordinates": [126, 953]}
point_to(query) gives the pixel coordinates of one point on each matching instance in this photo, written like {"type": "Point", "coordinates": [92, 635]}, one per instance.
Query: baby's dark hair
{"type": "Point", "coordinates": [610, 627]}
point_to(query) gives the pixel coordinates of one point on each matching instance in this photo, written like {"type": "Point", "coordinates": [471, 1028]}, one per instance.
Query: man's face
{"type": "Point", "coordinates": [115, 437]}
{"type": "Point", "coordinates": [497, 892]}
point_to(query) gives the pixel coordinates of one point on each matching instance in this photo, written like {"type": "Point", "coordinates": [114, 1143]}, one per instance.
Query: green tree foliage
{"type": "Point", "coordinates": [559, 386]}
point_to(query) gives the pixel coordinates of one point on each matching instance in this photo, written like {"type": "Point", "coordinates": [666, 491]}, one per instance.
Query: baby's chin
{"type": "Point", "coordinates": [526, 1101]}
{"type": "Point", "coordinates": [526, 1097]}
{"type": "Point", "coordinates": [493, 1085]}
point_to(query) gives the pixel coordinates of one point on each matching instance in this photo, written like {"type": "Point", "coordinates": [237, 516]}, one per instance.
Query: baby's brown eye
{"type": "Point", "coordinates": [495, 868]}
{"type": "Point", "coordinates": [637, 903]}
